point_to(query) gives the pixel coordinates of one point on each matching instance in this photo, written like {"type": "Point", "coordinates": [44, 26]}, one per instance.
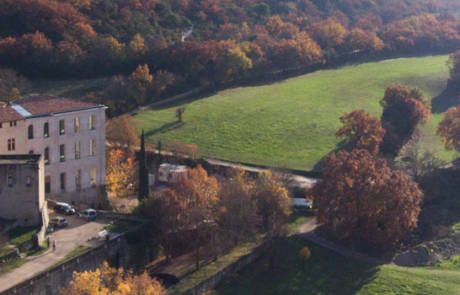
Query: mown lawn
{"type": "Point", "coordinates": [330, 273]}
{"type": "Point", "coordinates": [292, 123]}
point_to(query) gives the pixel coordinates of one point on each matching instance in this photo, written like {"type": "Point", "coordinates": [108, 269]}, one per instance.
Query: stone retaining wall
{"type": "Point", "coordinates": [48, 282]}
{"type": "Point", "coordinates": [213, 281]}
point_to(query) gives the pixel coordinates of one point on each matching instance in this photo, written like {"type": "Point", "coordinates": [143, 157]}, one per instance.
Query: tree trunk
{"type": "Point", "coordinates": [197, 253]}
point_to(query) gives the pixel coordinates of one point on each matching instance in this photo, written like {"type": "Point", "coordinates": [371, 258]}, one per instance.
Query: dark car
{"type": "Point", "coordinates": [64, 208]}
{"type": "Point", "coordinates": [59, 222]}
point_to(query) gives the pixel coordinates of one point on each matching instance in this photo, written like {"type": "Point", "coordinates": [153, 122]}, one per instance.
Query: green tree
{"type": "Point", "coordinates": [143, 190]}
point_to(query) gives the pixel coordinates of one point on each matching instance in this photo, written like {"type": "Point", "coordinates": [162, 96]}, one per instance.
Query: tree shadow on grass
{"type": "Point", "coordinates": [342, 145]}
{"type": "Point", "coordinates": [447, 99]}
{"type": "Point", "coordinates": [167, 127]}
{"type": "Point", "coordinates": [324, 273]}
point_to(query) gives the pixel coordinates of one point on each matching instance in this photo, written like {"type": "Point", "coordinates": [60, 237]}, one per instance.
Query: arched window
{"type": "Point", "coordinates": [30, 132]}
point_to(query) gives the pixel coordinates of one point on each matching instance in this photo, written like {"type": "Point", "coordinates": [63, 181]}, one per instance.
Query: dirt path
{"type": "Point", "coordinates": [307, 231]}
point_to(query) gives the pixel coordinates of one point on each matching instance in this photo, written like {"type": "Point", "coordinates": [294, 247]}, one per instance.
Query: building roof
{"type": "Point", "coordinates": [41, 105]}
{"type": "Point", "coordinates": [19, 159]}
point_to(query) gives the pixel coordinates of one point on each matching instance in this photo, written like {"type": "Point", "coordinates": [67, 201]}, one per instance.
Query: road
{"type": "Point", "coordinates": [79, 232]}
{"type": "Point", "coordinates": [297, 180]}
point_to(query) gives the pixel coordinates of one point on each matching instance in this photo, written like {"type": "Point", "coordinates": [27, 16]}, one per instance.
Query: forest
{"type": "Point", "coordinates": [157, 47]}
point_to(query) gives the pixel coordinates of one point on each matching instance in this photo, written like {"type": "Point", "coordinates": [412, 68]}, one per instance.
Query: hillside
{"type": "Point", "coordinates": [292, 123]}
{"type": "Point", "coordinates": [225, 41]}
{"type": "Point", "coordinates": [330, 273]}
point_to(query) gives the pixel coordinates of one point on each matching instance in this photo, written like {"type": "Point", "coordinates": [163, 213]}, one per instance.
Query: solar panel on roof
{"type": "Point", "coordinates": [22, 111]}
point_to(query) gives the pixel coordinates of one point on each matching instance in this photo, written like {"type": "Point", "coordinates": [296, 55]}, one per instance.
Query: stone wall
{"type": "Point", "coordinates": [48, 282]}
{"type": "Point", "coordinates": [213, 281]}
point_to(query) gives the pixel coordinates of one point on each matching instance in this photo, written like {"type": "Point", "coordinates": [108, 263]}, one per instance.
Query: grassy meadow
{"type": "Point", "coordinates": [292, 123]}
{"type": "Point", "coordinates": [330, 273]}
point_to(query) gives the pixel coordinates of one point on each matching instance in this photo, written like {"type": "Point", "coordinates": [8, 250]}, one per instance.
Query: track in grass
{"type": "Point", "coordinates": [292, 123]}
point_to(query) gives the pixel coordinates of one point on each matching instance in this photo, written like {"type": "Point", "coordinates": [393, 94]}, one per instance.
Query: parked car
{"type": "Point", "coordinates": [64, 208]}
{"type": "Point", "coordinates": [89, 214]}
{"type": "Point", "coordinates": [50, 228]}
{"type": "Point", "coordinates": [59, 222]}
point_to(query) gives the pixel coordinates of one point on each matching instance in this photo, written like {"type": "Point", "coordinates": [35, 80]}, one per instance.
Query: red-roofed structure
{"type": "Point", "coordinates": [41, 105]}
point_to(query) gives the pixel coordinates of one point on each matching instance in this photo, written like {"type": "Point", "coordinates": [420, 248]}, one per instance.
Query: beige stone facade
{"type": "Point", "coordinates": [22, 191]}
{"type": "Point", "coordinates": [71, 138]}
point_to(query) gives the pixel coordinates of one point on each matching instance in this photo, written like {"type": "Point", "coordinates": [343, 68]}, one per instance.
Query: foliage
{"type": "Point", "coordinates": [143, 190]}
{"type": "Point", "coordinates": [121, 170]}
{"type": "Point", "coordinates": [12, 84]}
{"type": "Point", "coordinates": [403, 110]}
{"type": "Point", "coordinates": [454, 66]}
{"type": "Point", "coordinates": [273, 202]}
{"type": "Point", "coordinates": [305, 253]}
{"type": "Point", "coordinates": [106, 280]}
{"type": "Point", "coordinates": [179, 113]}
{"type": "Point", "coordinates": [418, 164]}
{"type": "Point", "coordinates": [449, 128]}
{"type": "Point", "coordinates": [361, 198]}
{"type": "Point", "coordinates": [229, 41]}
{"type": "Point", "coordinates": [141, 80]}
{"type": "Point", "coordinates": [121, 133]}
{"type": "Point", "coordinates": [237, 213]}
{"type": "Point", "coordinates": [361, 131]}
{"type": "Point", "coordinates": [365, 41]}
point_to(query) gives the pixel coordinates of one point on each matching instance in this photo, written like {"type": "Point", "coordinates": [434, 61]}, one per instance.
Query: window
{"type": "Point", "coordinates": [92, 176]}
{"type": "Point", "coordinates": [30, 132]}
{"type": "Point", "coordinates": [10, 180]}
{"type": "Point", "coordinates": [47, 155]}
{"type": "Point", "coordinates": [92, 147]}
{"type": "Point", "coordinates": [61, 127]}
{"type": "Point", "coordinates": [12, 123]}
{"type": "Point", "coordinates": [77, 150]}
{"type": "Point", "coordinates": [11, 144]}
{"type": "Point", "coordinates": [76, 124]}
{"type": "Point", "coordinates": [28, 181]}
{"type": "Point", "coordinates": [46, 130]}
{"type": "Point", "coordinates": [47, 184]}
{"type": "Point", "coordinates": [78, 180]}
{"type": "Point", "coordinates": [62, 153]}
{"type": "Point", "coordinates": [1, 125]}
{"type": "Point", "coordinates": [92, 122]}
{"type": "Point", "coordinates": [62, 184]}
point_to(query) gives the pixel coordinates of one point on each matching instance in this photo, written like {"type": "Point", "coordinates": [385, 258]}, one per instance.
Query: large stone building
{"type": "Point", "coordinates": [22, 190]}
{"type": "Point", "coordinates": [69, 134]}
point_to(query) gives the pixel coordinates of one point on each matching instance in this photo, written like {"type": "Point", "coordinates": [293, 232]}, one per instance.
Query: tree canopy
{"type": "Point", "coordinates": [361, 198]}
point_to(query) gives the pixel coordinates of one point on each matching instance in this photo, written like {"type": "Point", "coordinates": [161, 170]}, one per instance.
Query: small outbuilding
{"type": "Point", "coordinates": [170, 173]}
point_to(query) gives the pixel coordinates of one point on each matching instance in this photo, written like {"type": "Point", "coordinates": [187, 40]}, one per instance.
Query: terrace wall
{"type": "Point", "coordinates": [48, 282]}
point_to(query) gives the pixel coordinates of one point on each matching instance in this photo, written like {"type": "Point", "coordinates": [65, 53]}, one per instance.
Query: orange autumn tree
{"type": "Point", "coordinates": [121, 171]}
{"type": "Point", "coordinates": [109, 281]}
{"type": "Point", "coordinates": [361, 131]}
{"type": "Point", "coordinates": [363, 199]}
{"type": "Point", "coordinates": [273, 202]}
{"type": "Point", "coordinates": [237, 208]}
{"type": "Point", "coordinates": [403, 110]}
{"type": "Point", "coordinates": [449, 128]}
{"type": "Point", "coordinates": [198, 193]}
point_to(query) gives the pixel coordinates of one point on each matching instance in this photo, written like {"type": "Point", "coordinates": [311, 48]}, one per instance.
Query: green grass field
{"type": "Point", "coordinates": [292, 123]}
{"type": "Point", "coordinates": [329, 273]}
